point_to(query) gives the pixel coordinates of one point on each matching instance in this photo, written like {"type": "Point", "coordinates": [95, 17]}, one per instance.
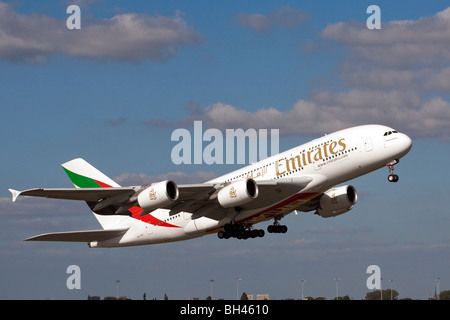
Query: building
{"type": "Point", "coordinates": [259, 296]}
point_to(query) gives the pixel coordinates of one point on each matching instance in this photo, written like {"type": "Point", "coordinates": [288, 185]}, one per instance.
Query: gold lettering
{"type": "Point", "coordinates": [332, 146]}
{"type": "Point", "coordinates": [318, 155]}
{"type": "Point", "coordinates": [325, 149]}
{"type": "Point", "coordinates": [309, 156]}
{"type": "Point", "coordinates": [304, 158]}
{"type": "Point", "coordinates": [292, 162]}
{"type": "Point", "coordinates": [342, 144]}
{"type": "Point", "coordinates": [277, 164]}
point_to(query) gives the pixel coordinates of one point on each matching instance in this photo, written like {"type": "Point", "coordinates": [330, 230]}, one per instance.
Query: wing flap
{"type": "Point", "coordinates": [273, 191]}
{"type": "Point", "coordinates": [195, 191]}
{"type": "Point", "coordinates": [80, 236]}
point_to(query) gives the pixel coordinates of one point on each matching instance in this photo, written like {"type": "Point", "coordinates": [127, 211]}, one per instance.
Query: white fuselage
{"type": "Point", "coordinates": [329, 161]}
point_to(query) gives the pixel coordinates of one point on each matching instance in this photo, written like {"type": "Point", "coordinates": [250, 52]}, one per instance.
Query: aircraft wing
{"type": "Point", "coordinates": [273, 191]}
{"type": "Point", "coordinates": [195, 191]}
{"type": "Point", "coordinates": [80, 236]}
{"type": "Point", "coordinates": [187, 192]}
{"type": "Point", "coordinates": [192, 197]}
{"type": "Point", "coordinates": [87, 194]}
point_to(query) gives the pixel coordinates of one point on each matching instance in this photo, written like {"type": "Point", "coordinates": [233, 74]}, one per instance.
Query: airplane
{"type": "Point", "coordinates": [304, 178]}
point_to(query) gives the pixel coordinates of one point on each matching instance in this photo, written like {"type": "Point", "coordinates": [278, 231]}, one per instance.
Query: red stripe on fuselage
{"type": "Point", "coordinates": [284, 206]}
{"type": "Point", "coordinates": [148, 218]}
{"type": "Point", "coordinates": [136, 211]}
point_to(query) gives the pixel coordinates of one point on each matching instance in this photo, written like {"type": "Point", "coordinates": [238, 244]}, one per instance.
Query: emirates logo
{"type": "Point", "coordinates": [233, 193]}
{"type": "Point", "coordinates": [152, 194]}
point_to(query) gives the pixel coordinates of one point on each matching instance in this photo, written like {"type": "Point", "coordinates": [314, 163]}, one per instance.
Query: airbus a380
{"type": "Point", "coordinates": [304, 178]}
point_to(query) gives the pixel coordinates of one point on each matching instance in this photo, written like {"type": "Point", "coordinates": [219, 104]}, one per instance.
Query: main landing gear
{"type": "Point", "coordinates": [277, 228]}
{"type": "Point", "coordinates": [392, 177]}
{"type": "Point", "coordinates": [239, 231]}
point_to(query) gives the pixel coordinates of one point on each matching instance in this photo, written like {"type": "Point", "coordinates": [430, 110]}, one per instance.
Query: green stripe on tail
{"type": "Point", "coordinates": [81, 181]}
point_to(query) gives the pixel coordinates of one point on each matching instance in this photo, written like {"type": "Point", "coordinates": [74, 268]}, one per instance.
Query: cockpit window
{"type": "Point", "coordinates": [388, 133]}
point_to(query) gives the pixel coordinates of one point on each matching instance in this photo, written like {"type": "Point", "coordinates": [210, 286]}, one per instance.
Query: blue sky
{"type": "Point", "coordinates": [113, 95]}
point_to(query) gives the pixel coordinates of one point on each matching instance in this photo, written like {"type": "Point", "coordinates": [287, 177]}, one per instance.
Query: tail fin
{"type": "Point", "coordinates": [84, 175]}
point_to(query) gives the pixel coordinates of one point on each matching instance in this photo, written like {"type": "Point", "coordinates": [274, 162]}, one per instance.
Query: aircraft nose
{"type": "Point", "coordinates": [405, 143]}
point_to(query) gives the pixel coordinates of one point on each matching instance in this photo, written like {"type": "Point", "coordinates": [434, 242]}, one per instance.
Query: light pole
{"type": "Point", "coordinates": [117, 289]}
{"type": "Point", "coordinates": [437, 288]}
{"type": "Point", "coordinates": [237, 287]}
{"type": "Point", "coordinates": [212, 284]}
{"type": "Point", "coordinates": [302, 283]}
{"type": "Point", "coordinates": [381, 289]}
{"type": "Point", "coordinates": [337, 287]}
{"type": "Point", "coordinates": [390, 281]}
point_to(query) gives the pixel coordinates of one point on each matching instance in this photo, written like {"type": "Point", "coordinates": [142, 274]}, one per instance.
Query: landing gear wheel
{"type": "Point", "coordinates": [277, 228]}
{"type": "Point", "coordinates": [393, 178]}
{"type": "Point", "coordinates": [239, 231]}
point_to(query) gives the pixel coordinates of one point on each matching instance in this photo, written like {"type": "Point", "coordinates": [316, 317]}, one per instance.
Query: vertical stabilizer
{"type": "Point", "coordinates": [84, 175]}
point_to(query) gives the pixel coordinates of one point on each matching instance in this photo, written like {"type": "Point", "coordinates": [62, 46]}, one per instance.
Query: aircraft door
{"type": "Point", "coordinates": [368, 145]}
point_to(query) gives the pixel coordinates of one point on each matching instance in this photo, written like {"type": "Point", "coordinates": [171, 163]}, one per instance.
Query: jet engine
{"type": "Point", "coordinates": [238, 193]}
{"type": "Point", "coordinates": [336, 201]}
{"type": "Point", "coordinates": [158, 195]}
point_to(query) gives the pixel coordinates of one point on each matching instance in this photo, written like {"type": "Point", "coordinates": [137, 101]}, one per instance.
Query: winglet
{"type": "Point", "coordinates": [15, 194]}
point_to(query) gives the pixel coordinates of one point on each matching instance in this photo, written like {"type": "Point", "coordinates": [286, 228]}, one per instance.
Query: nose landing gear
{"type": "Point", "coordinates": [392, 177]}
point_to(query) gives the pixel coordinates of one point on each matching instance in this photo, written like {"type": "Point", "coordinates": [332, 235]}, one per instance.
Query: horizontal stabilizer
{"type": "Point", "coordinates": [80, 236]}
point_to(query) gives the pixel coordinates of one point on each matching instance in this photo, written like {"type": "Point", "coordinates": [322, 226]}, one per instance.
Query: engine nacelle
{"type": "Point", "coordinates": [336, 201]}
{"type": "Point", "coordinates": [158, 195]}
{"type": "Point", "coordinates": [238, 193]}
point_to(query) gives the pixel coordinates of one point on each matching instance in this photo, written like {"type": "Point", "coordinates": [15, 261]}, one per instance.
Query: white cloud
{"type": "Point", "coordinates": [134, 37]}
{"type": "Point", "coordinates": [329, 111]}
{"type": "Point", "coordinates": [26, 38]}
{"type": "Point", "coordinates": [403, 43]}
{"type": "Point", "coordinates": [389, 83]}
{"type": "Point", "coordinates": [399, 71]}
{"type": "Point", "coordinates": [24, 206]}
{"type": "Point", "coordinates": [439, 81]}
{"type": "Point", "coordinates": [124, 37]}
